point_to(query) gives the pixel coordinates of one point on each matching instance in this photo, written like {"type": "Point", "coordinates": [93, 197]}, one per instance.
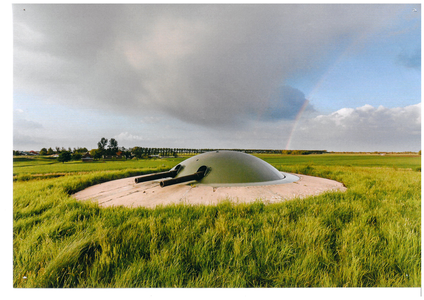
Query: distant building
{"type": "Point", "coordinates": [87, 157]}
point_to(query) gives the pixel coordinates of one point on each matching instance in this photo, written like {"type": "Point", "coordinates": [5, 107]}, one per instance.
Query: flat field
{"type": "Point", "coordinates": [369, 236]}
{"type": "Point", "coordinates": [23, 166]}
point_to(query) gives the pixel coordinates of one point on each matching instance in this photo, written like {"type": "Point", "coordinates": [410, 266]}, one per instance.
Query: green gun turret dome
{"type": "Point", "coordinates": [233, 168]}
{"type": "Point", "coordinates": [223, 168]}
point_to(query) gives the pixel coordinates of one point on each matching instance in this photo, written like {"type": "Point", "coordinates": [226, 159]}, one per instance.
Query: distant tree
{"type": "Point", "coordinates": [50, 151]}
{"type": "Point", "coordinates": [96, 153]}
{"type": "Point", "coordinates": [57, 150]}
{"type": "Point", "coordinates": [64, 156]}
{"type": "Point", "coordinates": [113, 146]}
{"type": "Point", "coordinates": [81, 150]}
{"type": "Point", "coordinates": [76, 156]}
{"type": "Point", "coordinates": [137, 152]}
{"type": "Point", "coordinates": [419, 152]}
{"type": "Point", "coordinates": [127, 154]}
{"type": "Point", "coordinates": [43, 151]}
{"type": "Point", "coordinates": [102, 146]}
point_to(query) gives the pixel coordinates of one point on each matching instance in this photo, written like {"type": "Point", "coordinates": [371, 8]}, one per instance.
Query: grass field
{"type": "Point", "coordinates": [45, 165]}
{"type": "Point", "coordinates": [369, 236]}
{"type": "Point", "coordinates": [395, 161]}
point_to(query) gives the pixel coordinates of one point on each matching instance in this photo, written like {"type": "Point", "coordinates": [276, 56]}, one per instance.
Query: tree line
{"type": "Point", "coordinates": [58, 150]}
{"type": "Point", "coordinates": [108, 148]}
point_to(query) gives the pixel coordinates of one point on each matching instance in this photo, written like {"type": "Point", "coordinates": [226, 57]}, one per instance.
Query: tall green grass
{"type": "Point", "coordinates": [368, 236]}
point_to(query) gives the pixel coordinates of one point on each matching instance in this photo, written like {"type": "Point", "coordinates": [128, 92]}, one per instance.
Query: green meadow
{"type": "Point", "coordinates": [368, 236]}
{"type": "Point", "coordinates": [44, 166]}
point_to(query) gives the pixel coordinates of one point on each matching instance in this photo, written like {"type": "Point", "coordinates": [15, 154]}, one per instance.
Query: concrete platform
{"type": "Point", "coordinates": [149, 194]}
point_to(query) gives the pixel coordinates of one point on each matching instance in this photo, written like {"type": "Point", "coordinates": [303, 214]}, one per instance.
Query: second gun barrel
{"type": "Point", "coordinates": [160, 175]}
{"type": "Point", "coordinates": [195, 176]}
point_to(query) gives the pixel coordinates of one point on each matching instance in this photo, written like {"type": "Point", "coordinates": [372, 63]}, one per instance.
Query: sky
{"type": "Point", "coordinates": [335, 77]}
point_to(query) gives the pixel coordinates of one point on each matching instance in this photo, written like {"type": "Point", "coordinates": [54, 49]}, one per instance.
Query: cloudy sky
{"type": "Point", "coordinates": [277, 76]}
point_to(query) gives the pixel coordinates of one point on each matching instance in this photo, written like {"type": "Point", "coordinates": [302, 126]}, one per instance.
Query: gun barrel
{"type": "Point", "coordinates": [160, 175]}
{"type": "Point", "coordinates": [201, 172]}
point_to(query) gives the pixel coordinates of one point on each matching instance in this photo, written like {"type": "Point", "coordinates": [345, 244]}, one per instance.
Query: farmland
{"type": "Point", "coordinates": [369, 236]}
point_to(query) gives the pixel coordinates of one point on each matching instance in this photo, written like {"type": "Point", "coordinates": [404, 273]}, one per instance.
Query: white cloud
{"type": "Point", "coordinates": [128, 137]}
{"type": "Point", "coordinates": [364, 128]}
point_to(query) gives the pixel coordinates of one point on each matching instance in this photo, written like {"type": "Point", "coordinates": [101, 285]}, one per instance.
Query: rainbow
{"type": "Point", "coordinates": [296, 120]}
{"type": "Point", "coordinates": [323, 78]}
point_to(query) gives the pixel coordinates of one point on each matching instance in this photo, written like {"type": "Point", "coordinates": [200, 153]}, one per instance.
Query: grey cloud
{"type": "Point", "coordinates": [286, 104]}
{"type": "Point", "coordinates": [23, 124]}
{"type": "Point", "coordinates": [65, 31]}
{"type": "Point", "coordinates": [24, 132]}
{"type": "Point", "coordinates": [411, 60]}
{"type": "Point", "coordinates": [26, 142]}
{"type": "Point", "coordinates": [211, 65]}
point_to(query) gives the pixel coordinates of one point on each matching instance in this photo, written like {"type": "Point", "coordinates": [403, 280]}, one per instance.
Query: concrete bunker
{"type": "Point", "coordinates": [209, 178]}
